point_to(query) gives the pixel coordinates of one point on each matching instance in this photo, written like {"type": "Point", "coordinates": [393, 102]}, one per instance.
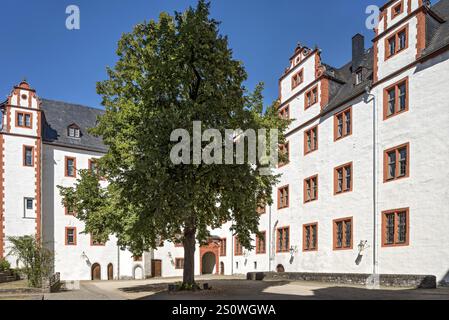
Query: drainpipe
{"type": "Point", "coordinates": [269, 239]}
{"type": "Point", "coordinates": [375, 223]}
{"type": "Point", "coordinates": [118, 263]}
{"type": "Point", "coordinates": [232, 254]}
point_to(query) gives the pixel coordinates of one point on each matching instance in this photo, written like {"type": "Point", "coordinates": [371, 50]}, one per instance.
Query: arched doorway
{"type": "Point", "coordinates": [138, 273]}
{"type": "Point", "coordinates": [110, 272]}
{"type": "Point", "coordinates": [96, 271]}
{"type": "Point", "coordinates": [208, 263]}
{"type": "Point", "coordinates": [222, 268]}
{"type": "Point", "coordinates": [280, 268]}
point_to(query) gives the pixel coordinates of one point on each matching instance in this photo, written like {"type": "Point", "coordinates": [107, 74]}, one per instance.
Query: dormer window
{"type": "Point", "coordinates": [73, 131]}
{"type": "Point", "coordinates": [358, 77]}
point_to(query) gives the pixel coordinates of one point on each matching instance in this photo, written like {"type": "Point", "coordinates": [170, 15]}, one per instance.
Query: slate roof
{"type": "Point", "coordinates": [58, 116]}
{"type": "Point", "coordinates": [437, 37]}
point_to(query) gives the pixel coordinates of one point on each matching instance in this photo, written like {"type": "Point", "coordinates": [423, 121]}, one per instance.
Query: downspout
{"type": "Point", "coordinates": [232, 254]}
{"type": "Point", "coordinates": [269, 239]}
{"type": "Point", "coordinates": [118, 262]}
{"type": "Point", "coordinates": [375, 223]}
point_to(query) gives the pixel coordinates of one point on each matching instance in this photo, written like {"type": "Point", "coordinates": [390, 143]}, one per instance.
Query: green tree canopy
{"type": "Point", "coordinates": [169, 74]}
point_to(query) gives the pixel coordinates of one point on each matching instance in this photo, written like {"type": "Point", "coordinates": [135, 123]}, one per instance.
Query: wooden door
{"type": "Point", "coordinates": [156, 268]}
{"type": "Point", "coordinates": [110, 272]}
{"type": "Point", "coordinates": [96, 272]}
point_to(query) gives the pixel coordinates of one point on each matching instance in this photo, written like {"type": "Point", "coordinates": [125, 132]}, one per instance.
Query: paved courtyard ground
{"type": "Point", "coordinates": [237, 288]}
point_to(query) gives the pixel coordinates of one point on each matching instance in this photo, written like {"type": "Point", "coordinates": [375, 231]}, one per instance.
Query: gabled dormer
{"type": "Point", "coordinates": [402, 35]}
{"type": "Point", "coordinates": [74, 131]}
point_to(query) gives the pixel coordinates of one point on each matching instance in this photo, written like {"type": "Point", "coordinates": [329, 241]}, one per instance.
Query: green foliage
{"type": "Point", "coordinates": [4, 265]}
{"type": "Point", "coordinates": [36, 262]}
{"type": "Point", "coordinates": [170, 73]}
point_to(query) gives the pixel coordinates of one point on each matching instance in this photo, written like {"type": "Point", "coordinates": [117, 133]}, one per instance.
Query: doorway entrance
{"type": "Point", "coordinates": [110, 272]}
{"type": "Point", "coordinates": [96, 272]}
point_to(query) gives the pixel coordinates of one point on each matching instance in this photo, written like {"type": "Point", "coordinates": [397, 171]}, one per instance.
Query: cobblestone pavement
{"type": "Point", "coordinates": [237, 288]}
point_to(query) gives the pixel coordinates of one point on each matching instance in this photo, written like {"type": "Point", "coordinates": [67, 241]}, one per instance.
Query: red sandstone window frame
{"type": "Point", "coordinates": [396, 213]}
{"type": "Point", "coordinates": [259, 241]}
{"type": "Point", "coordinates": [24, 114]}
{"type": "Point", "coordinates": [397, 163]}
{"type": "Point", "coordinates": [285, 241]}
{"type": "Point", "coordinates": [67, 234]}
{"type": "Point", "coordinates": [69, 213]}
{"type": "Point", "coordinates": [309, 100]}
{"type": "Point", "coordinates": [24, 150]}
{"type": "Point", "coordinates": [284, 112]}
{"type": "Point", "coordinates": [284, 148]}
{"type": "Point", "coordinates": [179, 263]}
{"type": "Point", "coordinates": [394, 12]}
{"type": "Point", "coordinates": [282, 205]}
{"type": "Point", "coordinates": [304, 237]}
{"type": "Point", "coordinates": [313, 196]}
{"type": "Point", "coordinates": [396, 38]}
{"type": "Point", "coordinates": [223, 247]}
{"type": "Point", "coordinates": [238, 248]}
{"type": "Point", "coordinates": [261, 209]}
{"type": "Point", "coordinates": [313, 132]}
{"type": "Point", "coordinates": [344, 238]}
{"type": "Point", "coordinates": [395, 86]}
{"type": "Point", "coordinates": [94, 243]}
{"type": "Point", "coordinates": [66, 167]}
{"type": "Point", "coordinates": [344, 132]}
{"type": "Point", "coordinates": [295, 82]}
{"type": "Point", "coordinates": [344, 169]}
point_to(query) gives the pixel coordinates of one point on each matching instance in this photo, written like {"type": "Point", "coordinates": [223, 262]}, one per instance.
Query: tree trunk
{"type": "Point", "coordinates": [189, 256]}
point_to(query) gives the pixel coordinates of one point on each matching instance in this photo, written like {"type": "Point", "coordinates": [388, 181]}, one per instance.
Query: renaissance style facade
{"type": "Point", "coordinates": [365, 188]}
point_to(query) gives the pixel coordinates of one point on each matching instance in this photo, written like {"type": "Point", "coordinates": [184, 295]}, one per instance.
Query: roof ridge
{"type": "Point", "coordinates": [73, 104]}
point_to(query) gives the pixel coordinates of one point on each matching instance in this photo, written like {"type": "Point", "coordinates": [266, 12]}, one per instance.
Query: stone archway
{"type": "Point", "coordinates": [209, 256]}
{"type": "Point", "coordinates": [138, 272]}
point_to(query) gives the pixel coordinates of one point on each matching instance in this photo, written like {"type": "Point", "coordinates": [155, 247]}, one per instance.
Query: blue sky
{"type": "Point", "coordinates": [65, 65]}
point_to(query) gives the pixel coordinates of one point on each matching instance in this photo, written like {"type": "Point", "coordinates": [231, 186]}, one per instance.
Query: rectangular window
{"type": "Point", "coordinates": [93, 166]}
{"type": "Point", "coordinates": [284, 112]}
{"type": "Point", "coordinates": [261, 208]}
{"type": "Point", "coordinates": [94, 242]}
{"type": "Point", "coordinates": [311, 189]}
{"type": "Point", "coordinates": [311, 97]}
{"type": "Point", "coordinates": [297, 79]}
{"type": "Point", "coordinates": [283, 197]}
{"type": "Point", "coordinates": [311, 140]}
{"type": "Point", "coordinates": [358, 77]}
{"type": "Point", "coordinates": [238, 248]}
{"type": "Point", "coordinates": [343, 179]}
{"type": "Point", "coordinates": [179, 263]}
{"type": "Point", "coordinates": [223, 247]}
{"type": "Point", "coordinates": [395, 228]}
{"type": "Point", "coordinates": [24, 120]}
{"type": "Point", "coordinates": [70, 212]}
{"type": "Point", "coordinates": [284, 152]}
{"type": "Point", "coordinates": [28, 208]}
{"type": "Point", "coordinates": [396, 43]}
{"type": "Point", "coordinates": [343, 124]}
{"type": "Point", "coordinates": [397, 163]}
{"type": "Point", "coordinates": [310, 237]}
{"type": "Point", "coordinates": [70, 236]}
{"type": "Point", "coordinates": [28, 156]}
{"type": "Point", "coordinates": [70, 167]}
{"type": "Point", "coordinates": [283, 239]}
{"type": "Point", "coordinates": [396, 99]}
{"type": "Point", "coordinates": [342, 234]}
{"type": "Point", "coordinates": [260, 243]}
{"type": "Point", "coordinates": [397, 10]}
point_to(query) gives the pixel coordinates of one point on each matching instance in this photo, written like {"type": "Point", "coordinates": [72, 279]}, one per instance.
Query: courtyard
{"type": "Point", "coordinates": [238, 288]}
